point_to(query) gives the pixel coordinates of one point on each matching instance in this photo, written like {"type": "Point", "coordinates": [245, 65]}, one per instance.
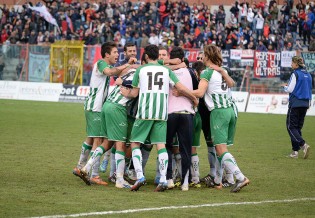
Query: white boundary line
{"type": "Point", "coordinates": [176, 207]}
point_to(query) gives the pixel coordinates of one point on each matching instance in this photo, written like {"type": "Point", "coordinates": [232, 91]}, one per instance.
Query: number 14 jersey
{"type": "Point", "coordinates": [153, 80]}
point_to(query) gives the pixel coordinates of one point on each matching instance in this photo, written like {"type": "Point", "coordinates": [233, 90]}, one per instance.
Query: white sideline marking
{"type": "Point", "coordinates": [176, 207]}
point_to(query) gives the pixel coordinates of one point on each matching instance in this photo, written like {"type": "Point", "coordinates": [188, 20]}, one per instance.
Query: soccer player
{"type": "Point", "coordinates": [99, 85]}
{"type": "Point", "coordinates": [130, 51]}
{"type": "Point", "coordinates": [214, 86]}
{"type": "Point", "coordinates": [98, 92]}
{"type": "Point", "coordinates": [151, 82]}
{"type": "Point", "coordinates": [116, 126]}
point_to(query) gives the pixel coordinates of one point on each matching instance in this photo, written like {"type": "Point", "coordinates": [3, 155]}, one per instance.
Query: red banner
{"type": "Point", "coordinates": [267, 64]}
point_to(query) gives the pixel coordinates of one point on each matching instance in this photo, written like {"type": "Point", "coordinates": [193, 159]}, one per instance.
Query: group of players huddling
{"type": "Point", "coordinates": [161, 102]}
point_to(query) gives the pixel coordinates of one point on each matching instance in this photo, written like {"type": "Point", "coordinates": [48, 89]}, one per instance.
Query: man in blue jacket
{"type": "Point", "coordinates": [300, 95]}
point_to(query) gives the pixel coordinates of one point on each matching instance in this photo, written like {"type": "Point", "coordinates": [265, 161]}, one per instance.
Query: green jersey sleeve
{"type": "Point", "coordinates": [206, 74]}
{"type": "Point", "coordinates": [161, 62]}
{"type": "Point", "coordinates": [135, 80]}
{"type": "Point", "coordinates": [102, 65]}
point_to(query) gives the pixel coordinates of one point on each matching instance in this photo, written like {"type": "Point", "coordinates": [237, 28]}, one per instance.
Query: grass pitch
{"type": "Point", "coordinates": [41, 142]}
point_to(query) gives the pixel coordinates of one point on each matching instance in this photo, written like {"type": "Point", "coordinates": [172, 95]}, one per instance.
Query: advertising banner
{"type": "Point", "coordinates": [273, 103]}
{"type": "Point", "coordinates": [9, 89]}
{"type": "Point", "coordinates": [247, 58]}
{"type": "Point", "coordinates": [226, 58]}
{"type": "Point", "coordinates": [236, 54]}
{"type": "Point", "coordinates": [39, 91]}
{"type": "Point", "coordinates": [192, 54]}
{"type": "Point", "coordinates": [267, 64]}
{"type": "Point", "coordinates": [309, 61]}
{"type": "Point", "coordinates": [286, 58]}
{"type": "Point", "coordinates": [240, 99]}
{"type": "Point", "coordinates": [72, 93]}
{"type": "Point", "coordinates": [38, 67]}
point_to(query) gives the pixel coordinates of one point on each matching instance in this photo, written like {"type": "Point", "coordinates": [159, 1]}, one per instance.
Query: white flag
{"type": "Point", "coordinates": [45, 14]}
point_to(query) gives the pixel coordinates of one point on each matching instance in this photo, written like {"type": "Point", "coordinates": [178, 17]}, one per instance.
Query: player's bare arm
{"type": "Point", "coordinates": [202, 88]}
{"type": "Point", "coordinates": [177, 66]}
{"type": "Point", "coordinates": [186, 92]}
{"type": "Point", "coordinates": [117, 70]}
{"type": "Point", "coordinates": [174, 61]}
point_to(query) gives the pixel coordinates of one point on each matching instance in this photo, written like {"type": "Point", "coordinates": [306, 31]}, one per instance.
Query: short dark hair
{"type": "Point", "coordinates": [152, 51]}
{"type": "Point", "coordinates": [143, 58]}
{"type": "Point", "coordinates": [199, 66]}
{"type": "Point", "coordinates": [177, 52]}
{"type": "Point", "coordinates": [107, 48]}
{"type": "Point", "coordinates": [128, 44]}
{"type": "Point", "coordinates": [186, 62]}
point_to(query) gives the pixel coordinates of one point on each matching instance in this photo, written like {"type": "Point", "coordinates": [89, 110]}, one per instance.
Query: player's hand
{"type": "Point", "coordinates": [183, 65]}
{"type": "Point", "coordinates": [175, 92]}
{"type": "Point", "coordinates": [132, 61]}
{"type": "Point", "coordinates": [283, 84]}
{"type": "Point", "coordinates": [216, 68]}
{"type": "Point", "coordinates": [118, 81]}
{"type": "Point", "coordinates": [196, 102]}
{"type": "Point", "coordinates": [177, 61]}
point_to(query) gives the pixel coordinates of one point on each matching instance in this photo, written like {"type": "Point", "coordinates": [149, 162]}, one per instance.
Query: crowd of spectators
{"type": "Point", "coordinates": [261, 26]}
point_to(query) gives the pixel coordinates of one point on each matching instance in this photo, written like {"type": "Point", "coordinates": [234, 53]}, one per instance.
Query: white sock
{"type": "Point", "coordinates": [219, 171]}
{"type": "Point", "coordinates": [120, 164]}
{"type": "Point", "coordinates": [85, 151]}
{"type": "Point", "coordinates": [137, 161]}
{"type": "Point", "coordinates": [194, 168]}
{"type": "Point", "coordinates": [157, 172]}
{"type": "Point", "coordinates": [95, 167]}
{"type": "Point", "coordinates": [228, 160]}
{"type": "Point", "coordinates": [99, 151]}
{"type": "Point", "coordinates": [178, 163]}
{"type": "Point", "coordinates": [174, 167]}
{"type": "Point", "coordinates": [107, 155]}
{"type": "Point", "coordinates": [145, 150]}
{"type": "Point", "coordinates": [212, 158]}
{"type": "Point", "coordinates": [163, 160]}
{"type": "Point", "coordinates": [186, 178]}
{"type": "Point", "coordinates": [228, 175]}
{"type": "Point", "coordinates": [112, 161]}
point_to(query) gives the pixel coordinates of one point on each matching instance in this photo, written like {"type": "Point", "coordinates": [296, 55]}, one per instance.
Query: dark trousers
{"type": "Point", "coordinates": [295, 121]}
{"type": "Point", "coordinates": [205, 117]}
{"type": "Point", "coordinates": [182, 125]}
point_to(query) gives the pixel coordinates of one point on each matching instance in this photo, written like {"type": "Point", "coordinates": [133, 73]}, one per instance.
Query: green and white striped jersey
{"type": "Point", "coordinates": [217, 95]}
{"type": "Point", "coordinates": [99, 85]}
{"type": "Point", "coordinates": [153, 80]}
{"type": "Point", "coordinates": [116, 97]}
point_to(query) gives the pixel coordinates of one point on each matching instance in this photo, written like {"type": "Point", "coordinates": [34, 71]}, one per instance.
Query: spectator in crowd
{"type": "Point", "coordinates": [261, 46]}
{"type": "Point", "coordinates": [259, 24]}
{"type": "Point", "coordinates": [285, 10]}
{"type": "Point", "coordinates": [274, 13]}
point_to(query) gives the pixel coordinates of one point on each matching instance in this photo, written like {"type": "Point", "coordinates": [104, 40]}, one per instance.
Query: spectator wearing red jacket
{"type": "Point", "coordinates": [4, 36]}
{"type": "Point", "coordinates": [301, 19]}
